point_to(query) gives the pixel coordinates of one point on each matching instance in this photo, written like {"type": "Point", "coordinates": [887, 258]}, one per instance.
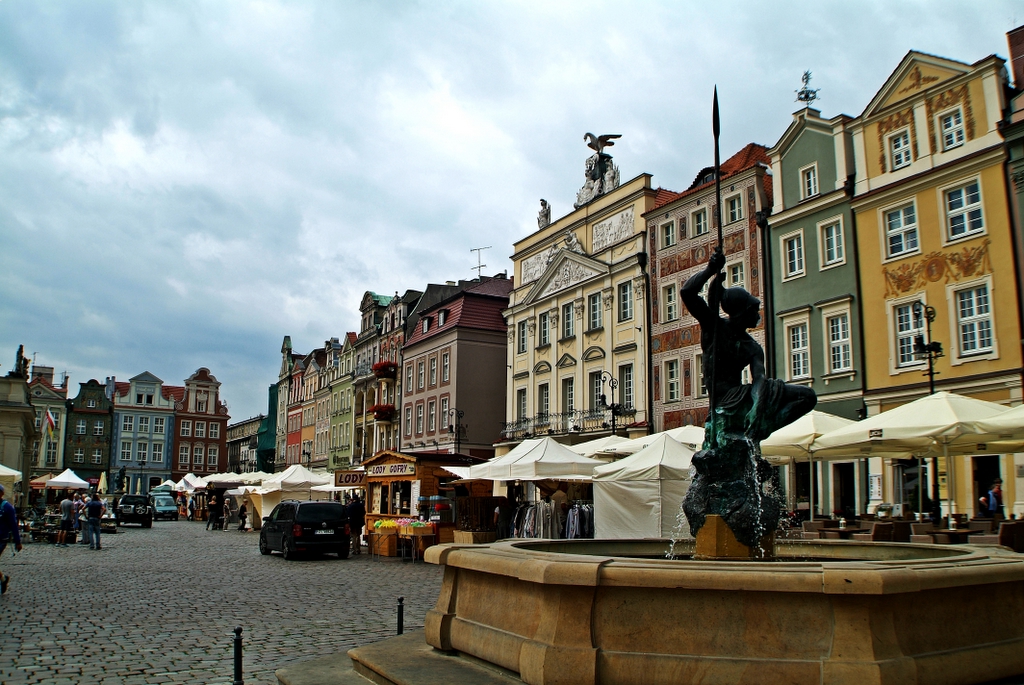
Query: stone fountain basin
{"type": "Point", "coordinates": [824, 612]}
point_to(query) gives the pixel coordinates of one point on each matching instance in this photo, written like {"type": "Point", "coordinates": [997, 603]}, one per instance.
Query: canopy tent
{"type": "Point", "coordinates": [190, 482]}
{"type": "Point", "coordinates": [640, 496]}
{"type": "Point", "coordinates": [795, 441]}
{"type": "Point", "coordinates": [603, 445]}
{"type": "Point", "coordinates": [541, 459]}
{"type": "Point", "coordinates": [1001, 433]}
{"type": "Point", "coordinates": [39, 482]}
{"type": "Point", "coordinates": [296, 478]}
{"type": "Point", "coordinates": [687, 435]}
{"type": "Point", "coordinates": [67, 479]}
{"type": "Point", "coordinates": [9, 477]}
{"type": "Point", "coordinates": [925, 426]}
{"type": "Point", "coordinates": [168, 484]}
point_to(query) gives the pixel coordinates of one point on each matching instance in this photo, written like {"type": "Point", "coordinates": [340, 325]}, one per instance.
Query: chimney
{"type": "Point", "coordinates": [44, 372]}
{"type": "Point", "coordinates": [1015, 38]}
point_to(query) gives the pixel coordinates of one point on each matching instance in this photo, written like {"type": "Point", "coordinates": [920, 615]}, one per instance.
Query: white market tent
{"type": "Point", "coordinates": [294, 481]}
{"type": "Point", "coordinates": [640, 496]}
{"type": "Point", "coordinates": [68, 479]}
{"type": "Point", "coordinates": [593, 448]}
{"type": "Point", "coordinates": [9, 477]}
{"type": "Point", "coordinates": [537, 459]}
{"type": "Point", "coordinates": [687, 435]}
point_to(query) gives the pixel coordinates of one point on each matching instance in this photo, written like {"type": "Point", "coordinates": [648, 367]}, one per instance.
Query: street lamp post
{"type": "Point", "coordinates": [615, 408]}
{"type": "Point", "coordinates": [930, 351]}
{"type": "Point", "coordinates": [142, 477]}
{"type": "Point", "coordinates": [457, 427]}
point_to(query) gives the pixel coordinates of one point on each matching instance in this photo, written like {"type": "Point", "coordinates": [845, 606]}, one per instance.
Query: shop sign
{"type": "Point", "coordinates": [391, 470]}
{"type": "Point", "coordinates": [350, 479]}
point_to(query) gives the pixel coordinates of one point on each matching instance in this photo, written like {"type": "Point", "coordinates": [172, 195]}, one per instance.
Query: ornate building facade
{"type": "Point", "coordinates": [90, 430]}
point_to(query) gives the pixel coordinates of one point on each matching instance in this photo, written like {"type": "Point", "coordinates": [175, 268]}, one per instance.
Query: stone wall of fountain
{"type": "Point", "coordinates": [826, 612]}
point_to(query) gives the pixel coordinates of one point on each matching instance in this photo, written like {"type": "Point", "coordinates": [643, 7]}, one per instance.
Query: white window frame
{"type": "Point", "coordinates": [730, 276]}
{"type": "Point", "coordinates": [157, 453]}
{"type": "Point", "coordinates": [667, 233]}
{"type": "Point", "coordinates": [802, 328]}
{"type": "Point", "coordinates": [800, 270]}
{"type": "Point", "coordinates": [904, 231]}
{"type": "Point", "coordinates": [568, 320]}
{"type": "Point", "coordinates": [80, 426]}
{"type": "Point", "coordinates": [200, 429]}
{"type": "Point", "coordinates": [521, 343]}
{"type": "Point", "coordinates": [126, 450]}
{"type": "Point", "coordinates": [184, 452]}
{"type": "Point", "coordinates": [670, 302]}
{"type": "Point", "coordinates": [699, 388]}
{"type": "Point", "coordinates": [594, 313]}
{"type": "Point", "coordinates": [700, 226]}
{"type": "Point", "coordinates": [625, 295]}
{"type": "Point", "coordinates": [97, 456]}
{"type": "Point", "coordinates": [902, 157]}
{"type": "Point", "coordinates": [212, 455]}
{"type": "Point", "coordinates": [953, 305]}
{"type": "Point", "coordinates": [673, 381]}
{"type": "Point", "coordinates": [431, 372]}
{"type": "Point", "coordinates": [626, 385]}
{"type": "Point", "coordinates": [128, 423]}
{"type": "Point", "coordinates": [446, 367]}
{"type": "Point", "coordinates": [199, 454]}
{"type": "Point", "coordinates": [142, 451]}
{"type": "Point", "coordinates": [828, 314]}
{"type": "Point", "coordinates": [419, 418]}
{"type": "Point", "coordinates": [97, 427]}
{"type": "Point", "coordinates": [958, 128]}
{"type": "Point", "coordinates": [823, 258]}
{"type": "Point", "coordinates": [738, 214]}
{"type": "Point", "coordinates": [800, 317]}
{"type": "Point", "coordinates": [159, 423]}
{"type": "Point", "coordinates": [79, 455]}
{"type": "Point", "coordinates": [408, 379]}
{"type": "Point", "coordinates": [420, 374]}
{"type": "Point", "coordinates": [522, 408]}
{"type": "Point", "coordinates": [965, 210]}
{"type": "Point", "coordinates": [543, 401]}
{"type": "Point", "coordinates": [543, 329]}
{"type": "Point", "coordinates": [408, 421]}
{"type": "Point", "coordinates": [214, 430]}
{"type": "Point", "coordinates": [143, 424]}
{"type": "Point", "coordinates": [809, 185]}
{"type": "Point", "coordinates": [431, 416]}
{"type": "Point", "coordinates": [186, 428]}
{"type": "Point", "coordinates": [891, 307]}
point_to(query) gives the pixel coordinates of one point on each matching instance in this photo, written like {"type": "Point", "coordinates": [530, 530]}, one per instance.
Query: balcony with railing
{"type": "Point", "coordinates": [565, 423]}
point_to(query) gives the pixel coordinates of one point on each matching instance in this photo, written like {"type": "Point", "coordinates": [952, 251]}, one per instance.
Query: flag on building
{"type": "Point", "coordinates": [51, 423]}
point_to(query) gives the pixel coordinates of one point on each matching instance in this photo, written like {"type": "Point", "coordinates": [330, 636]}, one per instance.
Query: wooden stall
{"type": "Point", "coordinates": [412, 486]}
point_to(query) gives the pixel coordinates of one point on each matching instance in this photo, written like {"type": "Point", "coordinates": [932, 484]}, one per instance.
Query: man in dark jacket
{"type": "Point", "coordinates": [356, 519]}
{"type": "Point", "coordinates": [8, 531]}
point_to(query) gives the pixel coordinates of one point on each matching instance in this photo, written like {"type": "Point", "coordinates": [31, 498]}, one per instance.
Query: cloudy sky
{"type": "Point", "coordinates": [184, 183]}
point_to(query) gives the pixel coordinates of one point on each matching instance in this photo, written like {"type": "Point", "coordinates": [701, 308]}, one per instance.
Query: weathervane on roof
{"type": "Point", "coordinates": [807, 95]}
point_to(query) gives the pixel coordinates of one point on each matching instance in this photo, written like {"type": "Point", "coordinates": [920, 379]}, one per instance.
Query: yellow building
{"type": "Point", "coordinates": [934, 240]}
{"type": "Point", "coordinates": [578, 322]}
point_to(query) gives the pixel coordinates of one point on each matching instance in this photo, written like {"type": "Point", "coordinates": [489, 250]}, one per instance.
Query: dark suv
{"type": "Point", "coordinates": [295, 526]}
{"type": "Point", "coordinates": [134, 509]}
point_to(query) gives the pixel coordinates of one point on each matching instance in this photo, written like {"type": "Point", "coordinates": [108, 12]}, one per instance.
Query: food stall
{"type": "Point", "coordinates": [412, 487]}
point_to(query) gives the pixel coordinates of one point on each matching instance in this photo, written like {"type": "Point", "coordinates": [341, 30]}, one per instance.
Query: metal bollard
{"type": "Point", "coordinates": [401, 615]}
{"type": "Point", "coordinates": [238, 656]}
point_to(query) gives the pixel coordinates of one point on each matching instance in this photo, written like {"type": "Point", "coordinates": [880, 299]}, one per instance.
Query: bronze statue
{"type": "Point", "coordinates": [731, 474]}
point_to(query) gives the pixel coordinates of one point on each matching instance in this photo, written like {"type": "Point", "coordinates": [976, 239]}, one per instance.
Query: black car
{"type": "Point", "coordinates": [295, 526]}
{"type": "Point", "coordinates": [134, 509]}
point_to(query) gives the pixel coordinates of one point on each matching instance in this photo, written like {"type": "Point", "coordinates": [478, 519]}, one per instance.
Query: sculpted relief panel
{"type": "Point", "coordinates": [569, 273]}
{"type": "Point", "coordinates": [613, 229]}
{"type": "Point", "coordinates": [944, 266]}
{"type": "Point", "coordinates": [533, 267]}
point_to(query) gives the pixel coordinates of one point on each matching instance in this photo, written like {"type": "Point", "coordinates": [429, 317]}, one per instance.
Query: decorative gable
{"type": "Point", "coordinates": [565, 271]}
{"type": "Point", "coordinates": [916, 74]}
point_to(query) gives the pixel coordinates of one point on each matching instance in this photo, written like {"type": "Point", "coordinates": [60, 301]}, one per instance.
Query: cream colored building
{"type": "Point", "coordinates": [577, 319]}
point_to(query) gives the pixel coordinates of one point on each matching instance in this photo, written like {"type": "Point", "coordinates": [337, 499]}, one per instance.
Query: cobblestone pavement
{"type": "Point", "coordinates": [160, 605]}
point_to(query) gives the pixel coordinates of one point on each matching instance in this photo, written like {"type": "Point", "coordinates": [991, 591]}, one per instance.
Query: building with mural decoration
{"type": "Point", "coordinates": [577, 318]}
{"type": "Point", "coordinates": [936, 258]}
{"type": "Point", "coordinates": [682, 233]}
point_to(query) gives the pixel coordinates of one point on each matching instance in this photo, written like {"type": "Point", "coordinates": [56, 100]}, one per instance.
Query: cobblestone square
{"type": "Point", "coordinates": [159, 606]}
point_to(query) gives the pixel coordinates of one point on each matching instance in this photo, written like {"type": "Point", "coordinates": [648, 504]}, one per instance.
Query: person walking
{"type": "Point", "coordinates": [992, 502]}
{"type": "Point", "coordinates": [191, 509]}
{"type": "Point", "coordinates": [67, 521]}
{"type": "Point", "coordinates": [212, 511]}
{"type": "Point", "coordinates": [8, 532]}
{"type": "Point", "coordinates": [356, 518]}
{"type": "Point", "coordinates": [243, 514]}
{"type": "Point", "coordinates": [227, 512]}
{"type": "Point", "coordinates": [94, 511]}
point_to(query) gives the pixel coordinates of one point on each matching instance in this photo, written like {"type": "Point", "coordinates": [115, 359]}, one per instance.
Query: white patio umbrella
{"type": "Point", "coordinates": [795, 440]}
{"type": "Point", "coordinates": [916, 428]}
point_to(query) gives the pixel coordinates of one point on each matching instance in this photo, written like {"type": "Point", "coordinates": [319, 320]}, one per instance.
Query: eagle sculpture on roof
{"type": "Point", "coordinates": [599, 143]}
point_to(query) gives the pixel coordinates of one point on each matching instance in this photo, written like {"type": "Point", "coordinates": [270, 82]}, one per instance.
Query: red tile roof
{"type": "Point", "coordinates": [749, 156]}
{"type": "Point", "coordinates": [122, 389]}
{"type": "Point", "coordinates": [351, 337]}
{"type": "Point", "coordinates": [175, 393]}
{"type": "Point", "coordinates": [479, 307]}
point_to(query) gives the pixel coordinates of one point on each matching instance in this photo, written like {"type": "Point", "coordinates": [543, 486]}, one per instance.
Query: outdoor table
{"type": "Point", "coordinates": [842, 533]}
{"type": "Point", "coordinates": [417, 542]}
{"type": "Point", "coordinates": [957, 536]}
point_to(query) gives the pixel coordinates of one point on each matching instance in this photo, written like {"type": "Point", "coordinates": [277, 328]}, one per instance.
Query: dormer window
{"type": "Point", "coordinates": [442, 316]}
{"type": "Point", "coordinates": [899, 150]}
{"type": "Point", "coordinates": [426, 324]}
{"type": "Point", "coordinates": [201, 406]}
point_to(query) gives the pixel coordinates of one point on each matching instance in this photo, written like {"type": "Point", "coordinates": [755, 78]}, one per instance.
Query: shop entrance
{"type": "Point", "coordinates": [804, 484]}
{"type": "Point", "coordinates": [844, 491]}
{"type": "Point", "coordinates": [986, 470]}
